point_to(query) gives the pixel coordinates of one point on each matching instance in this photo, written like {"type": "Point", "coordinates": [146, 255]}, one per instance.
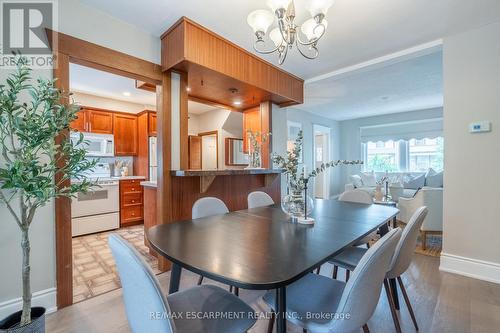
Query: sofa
{"type": "Point", "coordinates": [432, 197]}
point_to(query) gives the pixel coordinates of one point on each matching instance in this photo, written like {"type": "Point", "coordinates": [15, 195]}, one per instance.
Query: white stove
{"type": "Point", "coordinates": [99, 209]}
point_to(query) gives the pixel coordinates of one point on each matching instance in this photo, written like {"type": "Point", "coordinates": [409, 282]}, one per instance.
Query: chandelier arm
{"type": "Point", "coordinates": [264, 51]}
{"type": "Point", "coordinates": [313, 47]}
{"type": "Point", "coordinates": [281, 27]}
{"type": "Point", "coordinates": [315, 40]}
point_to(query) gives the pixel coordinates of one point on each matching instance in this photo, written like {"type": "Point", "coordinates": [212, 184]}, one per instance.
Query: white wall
{"type": "Point", "coordinates": [350, 142]}
{"type": "Point", "coordinates": [471, 177]}
{"type": "Point", "coordinates": [109, 103]}
{"type": "Point", "coordinates": [86, 23]}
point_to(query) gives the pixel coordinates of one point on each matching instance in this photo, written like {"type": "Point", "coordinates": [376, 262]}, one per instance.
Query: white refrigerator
{"type": "Point", "coordinates": [153, 161]}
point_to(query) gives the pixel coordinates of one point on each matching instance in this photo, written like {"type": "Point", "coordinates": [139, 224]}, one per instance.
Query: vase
{"type": "Point", "coordinates": [294, 204]}
{"type": "Point", "coordinates": [378, 195]}
{"type": "Point", "coordinates": [254, 160]}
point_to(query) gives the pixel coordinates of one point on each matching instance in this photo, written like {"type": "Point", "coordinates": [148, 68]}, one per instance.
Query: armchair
{"type": "Point", "coordinates": [432, 197]}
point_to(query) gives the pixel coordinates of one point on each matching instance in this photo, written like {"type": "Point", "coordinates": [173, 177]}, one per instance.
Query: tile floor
{"type": "Point", "coordinates": [94, 271]}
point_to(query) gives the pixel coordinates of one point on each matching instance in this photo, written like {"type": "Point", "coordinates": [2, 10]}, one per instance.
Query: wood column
{"type": "Point", "coordinates": [184, 142]}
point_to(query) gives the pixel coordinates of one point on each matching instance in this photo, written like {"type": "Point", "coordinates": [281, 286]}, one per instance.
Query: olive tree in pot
{"type": "Point", "coordinates": [33, 168]}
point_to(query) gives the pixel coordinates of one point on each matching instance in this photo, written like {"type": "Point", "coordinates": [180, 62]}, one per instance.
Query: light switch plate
{"type": "Point", "coordinates": [480, 127]}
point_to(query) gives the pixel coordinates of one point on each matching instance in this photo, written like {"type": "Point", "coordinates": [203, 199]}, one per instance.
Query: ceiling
{"type": "Point", "coordinates": [408, 85]}
{"type": "Point", "coordinates": [200, 108]}
{"type": "Point", "coordinates": [95, 82]}
{"type": "Point", "coordinates": [358, 30]}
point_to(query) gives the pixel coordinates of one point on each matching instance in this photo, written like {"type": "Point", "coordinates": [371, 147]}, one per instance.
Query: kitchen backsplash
{"type": "Point", "coordinates": [126, 160]}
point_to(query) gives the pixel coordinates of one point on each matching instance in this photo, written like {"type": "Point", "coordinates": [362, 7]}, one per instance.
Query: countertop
{"type": "Point", "coordinates": [129, 177]}
{"type": "Point", "coordinates": [149, 184]}
{"type": "Point", "coordinates": [225, 172]}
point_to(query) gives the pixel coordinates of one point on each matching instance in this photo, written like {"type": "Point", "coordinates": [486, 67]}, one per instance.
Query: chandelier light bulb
{"type": "Point", "coordinates": [260, 20]}
{"type": "Point", "coordinates": [278, 5]}
{"type": "Point", "coordinates": [276, 37]}
{"type": "Point", "coordinates": [313, 30]}
{"type": "Point", "coordinates": [317, 7]}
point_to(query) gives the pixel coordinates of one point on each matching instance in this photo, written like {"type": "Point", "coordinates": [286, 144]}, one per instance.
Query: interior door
{"type": "Point", "coordinates": [321, 155]}
{"type": "Point", "coordinates": [194, 152]}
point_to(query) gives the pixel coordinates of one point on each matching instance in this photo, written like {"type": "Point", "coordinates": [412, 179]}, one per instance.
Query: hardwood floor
{"type": "Point", "coordinates": [442, 302]}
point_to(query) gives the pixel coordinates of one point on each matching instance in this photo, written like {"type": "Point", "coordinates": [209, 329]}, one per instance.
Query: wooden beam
{"type": "Point", "coordinates": [102, 58]}
{"type": "Point", "coordinates": [64, 247]}
{"type": "Point", "coordinates": [145, 86]}
{"type": "Point", "coordinates": [164, 143]}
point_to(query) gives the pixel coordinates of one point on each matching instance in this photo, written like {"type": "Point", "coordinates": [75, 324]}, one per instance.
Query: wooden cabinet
{"type": "Point", "coordinates": [149, 213]}
{"type": "Point", "coordinates": [152, 123]}
{"type": "Point", "coordinates": [94, 121]}
{"type": "Point", "coordinates": [100, 122]}
{"type": "Point", "coordinates": [131, 202]}
{"type": "Point", "coordinates": [194, 152]}
{"type": "Point", "coordinates": [125, 130]}
{"type": "Point", "coordinates": [80, 123]}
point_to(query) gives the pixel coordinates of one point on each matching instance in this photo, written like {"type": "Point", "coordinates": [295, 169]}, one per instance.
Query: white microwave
{"type": "Point", "coordinates": [97, 144]}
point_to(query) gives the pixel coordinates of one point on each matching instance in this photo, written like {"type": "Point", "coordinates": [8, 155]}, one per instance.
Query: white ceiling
{"type": "Point", "coordinates": [199, 108]}
{"type": "Point", "coordinates": [358, 31]}
{"type": "Point", "coordinates": [95, 82]}
{"type": "Point", "coordinates": [408, 85]}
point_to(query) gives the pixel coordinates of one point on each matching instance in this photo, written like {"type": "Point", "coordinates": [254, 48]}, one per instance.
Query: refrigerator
{"type": "Point", "coordinates": [153, 160]}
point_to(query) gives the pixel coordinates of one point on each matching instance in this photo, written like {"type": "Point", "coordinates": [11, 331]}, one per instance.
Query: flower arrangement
{"type": "Point", "coordinates": [298, 181]}
{"type": "Point", "coordinates": [255, 141]}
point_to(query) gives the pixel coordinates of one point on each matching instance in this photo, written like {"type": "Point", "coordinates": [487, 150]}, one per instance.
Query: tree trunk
{"type": "Point", "coordinates": [25, 244]}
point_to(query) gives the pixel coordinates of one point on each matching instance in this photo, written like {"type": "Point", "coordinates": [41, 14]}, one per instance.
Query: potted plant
{"type": "Point", "coordinates": [33, 168]}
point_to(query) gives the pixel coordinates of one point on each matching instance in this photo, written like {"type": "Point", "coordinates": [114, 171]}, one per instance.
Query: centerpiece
{"type": "Point", "coordinates": [255, 141]}
{"type": "Point", "coordinates": [297, 203]}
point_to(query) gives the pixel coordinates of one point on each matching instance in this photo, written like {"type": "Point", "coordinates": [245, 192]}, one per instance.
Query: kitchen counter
{"type": "Point", "coordinates": [129, 177]}
{"type": "Point", "coordinates": [223, 172]}
{"type": "Point", "coordinates": [149, 184]}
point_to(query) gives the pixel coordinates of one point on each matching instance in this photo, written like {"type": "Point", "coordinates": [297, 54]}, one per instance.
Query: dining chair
{"type": "Point", "coordinates": [349, 305]}
{"type": "Point", "coordinates": [356, 196]}
{"type": "Point", "coordinates": [350, 258]}
{"type": "Point", "coordinates": [148, 310]}
{"type": "Point", "coordinates": [259, 199]}
{"type": "Point", "coordinates": [205, 207]}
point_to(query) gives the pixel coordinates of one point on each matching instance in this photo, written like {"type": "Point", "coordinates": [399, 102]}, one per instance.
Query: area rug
{"type": "Point", "coordinates": [433, 246]}
{"type": "Point", "coordinates": [94, 271]}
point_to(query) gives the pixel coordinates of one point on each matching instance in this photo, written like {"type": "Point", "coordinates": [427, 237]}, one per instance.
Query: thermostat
{"type": "Point", "coordinates": [480, 127]}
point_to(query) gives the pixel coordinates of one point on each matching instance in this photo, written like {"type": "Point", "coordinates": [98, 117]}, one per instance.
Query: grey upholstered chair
{"type": "Point", "coordinates": [403, 256]}
{"type": "Point", "coordinates": [148, 309]}
{"type": "Point", "coordinates": [361, 197]}
{"type": "Point", "coordinates": [205, 207]}
{"type": "Point", "coordinates": [358, 298]}
{"type": "Point", "coordinates": [259, 199]}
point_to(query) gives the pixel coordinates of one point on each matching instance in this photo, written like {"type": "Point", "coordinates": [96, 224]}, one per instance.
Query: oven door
{"type": "Point", "coordinates": [101, 200]}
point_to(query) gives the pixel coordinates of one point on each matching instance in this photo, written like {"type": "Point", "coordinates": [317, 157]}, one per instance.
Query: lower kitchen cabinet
{"type": "Point", "coordinates": [131, 202]}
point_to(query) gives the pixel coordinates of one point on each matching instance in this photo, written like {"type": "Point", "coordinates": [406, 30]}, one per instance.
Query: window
{"type": "Point", "coordinates": [382, 156]}
{"type": "Point", "coordinates": [414, 155]}
{"type": "Point", "coordinates": [425, 154]}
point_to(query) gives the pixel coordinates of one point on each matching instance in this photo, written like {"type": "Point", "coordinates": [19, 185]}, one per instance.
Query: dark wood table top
{"type": "Point", "coordinates": [259, 248]}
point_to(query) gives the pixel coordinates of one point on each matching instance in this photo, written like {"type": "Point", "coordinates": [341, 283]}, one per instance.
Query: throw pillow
{"type": "Point", "coordinates": [368, 179]}
{"type": "Point", "coordinates": [415, 183]}
{"type": "Point", "coordinates": [356, 181]}
{"type": "Point", "coordinates": [435, 180]}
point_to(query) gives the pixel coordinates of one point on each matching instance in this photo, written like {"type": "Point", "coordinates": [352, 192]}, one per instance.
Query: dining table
{"type": "Point", "coordinates": [261, 248]}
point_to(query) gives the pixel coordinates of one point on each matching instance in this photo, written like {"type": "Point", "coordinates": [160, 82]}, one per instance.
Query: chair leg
{"type": "Point", "coordinates": [391, 305]}
{"type": "Point", "coordinates": [200, 280]}
{"type": "Point", "coordinates": [304, 330]}
{"type": "Point", "coordinates": [237, 291]}
{"type": "Point", "coordinates": [270, 325]}
{"type": "Point", "coordinates": [335, 271]}
{"type": "Point", "coordinates": [347, 275]}
{"type": "Point", "coordinates": [366, 329]}
{"type": "Point", "coordinates": [423, 236]}
{"type": "Point", "coordinates": [367, 245]}
{"type": "Point", "coordinates": [318, 269]}
{"type": "Point", "coordinates": [231, 289]}
{"type": "Point", "coordinates": [407, 301]}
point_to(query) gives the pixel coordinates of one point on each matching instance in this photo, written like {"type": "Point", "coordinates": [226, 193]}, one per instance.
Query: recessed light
{"type": "Point", "coordinates": [237, 103]}
{"type": "Point", "coordinates": [126, 93]}
{"type": "Point", "coordinates": [188, 89]}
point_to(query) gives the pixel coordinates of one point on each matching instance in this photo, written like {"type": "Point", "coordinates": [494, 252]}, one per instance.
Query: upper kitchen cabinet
{"type": "Point", "coordinates": [152, 123]}
{"type": "Point", "coordinates": [222, 72]}
{"type": "Point", "coordinates": [125, 130]}
{"type": "Point", "coordinates": [94, 121]}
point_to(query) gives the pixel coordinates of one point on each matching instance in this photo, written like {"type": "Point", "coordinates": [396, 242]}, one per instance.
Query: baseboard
{"type": "Point", "coordinates": [45, 298]}
{"type": "Point", "coordinates": [473, 268]}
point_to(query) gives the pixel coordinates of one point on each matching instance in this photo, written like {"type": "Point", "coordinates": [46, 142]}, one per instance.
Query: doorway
{"type": "Point", "coordinates": [321, 155]}
{"type": "Point", "coordinates": [209, 150]}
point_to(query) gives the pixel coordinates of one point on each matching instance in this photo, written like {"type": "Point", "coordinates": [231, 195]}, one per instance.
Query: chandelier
{"type": "Point", "coordinates": [286, 34]}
